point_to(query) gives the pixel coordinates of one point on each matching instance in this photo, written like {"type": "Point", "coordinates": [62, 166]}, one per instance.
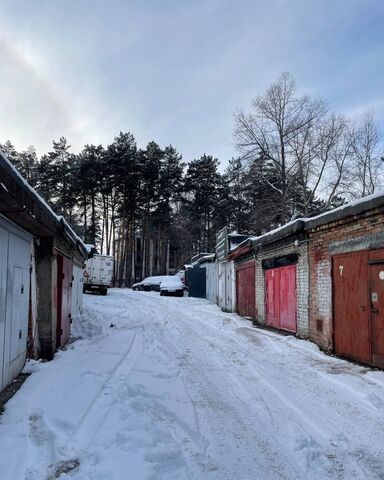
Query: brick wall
{"type": "Point", "coordinates": [302, 275]}
{"type": "Point", "coordinates": [358, 232]}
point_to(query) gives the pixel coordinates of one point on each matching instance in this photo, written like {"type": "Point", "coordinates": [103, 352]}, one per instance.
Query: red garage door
{"type": "Point", "coordinates": [280, 285]}
{"type": "Point", "coordinates": [245, 289]}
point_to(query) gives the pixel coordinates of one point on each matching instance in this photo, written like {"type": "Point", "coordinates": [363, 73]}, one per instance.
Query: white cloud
{"type": "Point", "coordinates": [175, 71]}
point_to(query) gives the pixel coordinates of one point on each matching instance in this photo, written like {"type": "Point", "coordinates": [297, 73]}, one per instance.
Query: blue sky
{"type": "Point", "coordinates": [175, 71]}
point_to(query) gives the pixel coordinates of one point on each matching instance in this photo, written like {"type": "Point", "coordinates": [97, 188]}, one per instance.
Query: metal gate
{"type": "Point", "coordinates": [212, 281]}
{"type": "Point", "coordinates": [246, 289]}
{"type": "Point", "coordinates": [358, 306]}
{"type": "Point", "coordinates": [196, 282]}
{"type": "Point", "coordinates": [64, 302]}
{"type": "Point", "coordinates": [226, 286]}
{"type": "Point", "coordinates": [376, 282]}
{"type": "Point", "coordinates": [280, 298]}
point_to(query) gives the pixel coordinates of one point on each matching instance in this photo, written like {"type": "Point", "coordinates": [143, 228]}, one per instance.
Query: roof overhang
{"type": "Point", "coordinates": [240, 251]}
{"type": "Point", "coordinates": [21, 204]}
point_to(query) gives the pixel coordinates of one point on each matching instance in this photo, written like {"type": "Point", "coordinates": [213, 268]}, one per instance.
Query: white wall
{"type": "Point", "coordinates": [77, 291]}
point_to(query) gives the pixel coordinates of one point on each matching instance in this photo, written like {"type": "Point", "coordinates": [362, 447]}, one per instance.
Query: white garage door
{"type": "Point", "coordinates": [15, 258]}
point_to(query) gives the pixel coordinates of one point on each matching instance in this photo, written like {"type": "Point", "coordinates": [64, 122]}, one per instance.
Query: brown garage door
{"type": "Point", "coordinates": [376, 298]}
{"type": "Point", "coordinates": [358, 306]}
{"type": "Point", "coordinates": [245, 289]}
{"type": "Point", "coordinates": [351, 310]}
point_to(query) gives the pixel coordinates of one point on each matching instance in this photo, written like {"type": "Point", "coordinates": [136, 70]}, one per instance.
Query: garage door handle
{"type": "Point", "coordinates": [375, 310]}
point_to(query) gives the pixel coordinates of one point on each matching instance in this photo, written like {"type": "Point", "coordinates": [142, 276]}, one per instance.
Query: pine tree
{"type": "Point", "coordinates": [88, 186]}
{"type": "Point", "coordinates": [202, 183]}
{"type": "Point", "coordinates": [56, 179]}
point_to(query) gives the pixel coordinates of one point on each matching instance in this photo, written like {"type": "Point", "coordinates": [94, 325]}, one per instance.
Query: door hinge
{"type": "Point", "coordinates": [22, 289]}
{"type": "Point", "coordinates": [20, 334]}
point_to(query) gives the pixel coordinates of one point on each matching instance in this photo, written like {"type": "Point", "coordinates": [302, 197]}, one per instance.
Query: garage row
{"type": "Point", "coordinates": [320, 278]}
{"type": "Point", "coordinates": [41, 265]}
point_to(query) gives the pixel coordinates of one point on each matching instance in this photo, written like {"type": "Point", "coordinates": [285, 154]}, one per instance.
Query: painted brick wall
{"type": "Point", "coordinates": [302, 276]}
{"type": "Point", "coordinates": [260, 292]}
{"type": "Point", "coordinates": [359, 232]}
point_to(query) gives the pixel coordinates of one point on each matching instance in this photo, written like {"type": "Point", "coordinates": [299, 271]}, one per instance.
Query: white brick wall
{"type": "Point", "coordinates": [324, 288]}
{"type": "Point", "coordinates": [260, 292]}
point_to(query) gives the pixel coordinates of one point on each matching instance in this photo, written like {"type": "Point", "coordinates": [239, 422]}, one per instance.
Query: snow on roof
{"type": "Point", "coordinates": [245, 242]}
{"type": "Point", "coordinates": [307, 223]}
{"type": "Point", "coordinates": [288, 228]}
{"type": "Point", "coordinates": [357, 206]}
{"type": "Point", "coordinates": [59, 218]}
{"type": "Point", "coordinates": [206, 258]}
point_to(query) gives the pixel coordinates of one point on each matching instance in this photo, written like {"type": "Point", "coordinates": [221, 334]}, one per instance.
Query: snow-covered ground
{"type": "Point", "coordinates": [172, 388]}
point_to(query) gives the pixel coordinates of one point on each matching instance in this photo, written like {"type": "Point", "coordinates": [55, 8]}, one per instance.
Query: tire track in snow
{"type": "Point", "coordinates": [211, 396]}
{"type": "Point", "coordinates": [92, 414]}
{"type": "Point", "coordinates": [308, 441]}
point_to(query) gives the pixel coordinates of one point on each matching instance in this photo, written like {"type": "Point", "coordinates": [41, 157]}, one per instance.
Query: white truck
{"type": "Point", "coordinates": [98, 273]}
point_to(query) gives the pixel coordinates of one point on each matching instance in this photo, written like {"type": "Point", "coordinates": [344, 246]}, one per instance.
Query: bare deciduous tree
{"type": "Point", "coordinates": [367, 151]}
{"type": "Point", "coordinates": [267, 131]}
{"type": "Point", "coordinates": [323, 152]}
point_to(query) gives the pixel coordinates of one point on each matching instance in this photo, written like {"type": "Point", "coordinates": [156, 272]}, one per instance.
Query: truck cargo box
{"type": "Point", "coordinates": [98, 273]}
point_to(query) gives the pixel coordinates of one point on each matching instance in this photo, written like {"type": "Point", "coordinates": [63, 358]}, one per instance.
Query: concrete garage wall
{"type": "Point", "coordinates": [46, 273]}
{"type": "Point", "coordinates": [358, 232]}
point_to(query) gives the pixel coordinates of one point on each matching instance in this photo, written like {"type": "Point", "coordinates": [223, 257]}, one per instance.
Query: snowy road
{"type": "Point", "coordinates": [177, 389]}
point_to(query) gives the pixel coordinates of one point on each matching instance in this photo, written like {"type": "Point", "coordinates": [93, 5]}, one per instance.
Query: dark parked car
{"type": "Point", "coordinates": [149, 284]}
